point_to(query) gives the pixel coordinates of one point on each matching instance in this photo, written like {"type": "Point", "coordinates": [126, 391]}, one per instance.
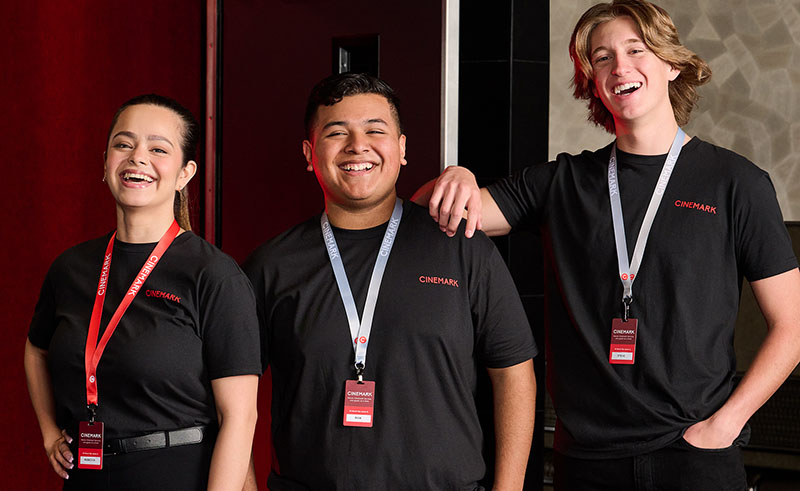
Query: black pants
{"type": "Point", "coordinates": [183, 468]}
{"type": "Point", "coordinates": [678, 467]}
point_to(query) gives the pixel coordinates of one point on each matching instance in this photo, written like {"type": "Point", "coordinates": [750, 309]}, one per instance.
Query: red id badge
{"type": "Point", "coordinates": [623, 341]}
{"type": "Point", "coordinates": [90, 445]}
{"type": "Point", "coordinates": [359, 403]}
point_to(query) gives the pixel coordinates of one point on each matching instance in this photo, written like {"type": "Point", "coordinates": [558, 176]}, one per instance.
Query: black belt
{"type": "Point", "coordinates": [152, 441]}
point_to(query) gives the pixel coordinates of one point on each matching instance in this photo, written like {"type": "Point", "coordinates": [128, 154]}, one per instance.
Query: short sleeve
{"type": "Point", "coordinates": [520, 196]}
{"type": "Point", "coordinates": [502, 332]}
{"type": "Point", "coordinates": [230, 327]}
{"type": "Point", "coordinates": [763, 245]}
{"type": "Point", "coordinates": [256, 272]}
{"type": "Point", "coordinates": [43, 324]}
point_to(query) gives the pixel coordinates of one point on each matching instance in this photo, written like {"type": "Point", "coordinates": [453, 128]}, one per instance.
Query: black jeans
{"type": "Point", "coordinates": [677, 467]}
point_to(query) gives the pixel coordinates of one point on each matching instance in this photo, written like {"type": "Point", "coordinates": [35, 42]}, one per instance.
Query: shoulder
{"type": "Point", "coordinates": [417, 226]}
{"type": "Point", "coordinates": [722, 160]}
{"type": "Point", "coordinates": [196, 254]}
{"type": "Point", "coordinates": [78, 255]}
{"type": "Point", "coordinates": [291, 242]}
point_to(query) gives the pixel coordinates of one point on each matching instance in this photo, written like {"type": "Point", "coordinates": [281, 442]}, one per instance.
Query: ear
{"type": "Point", "coordinates": [402, 143]}
{"type": "Point", "coordinates": [308, 151]}
{"type": "Point", "coordinates": [673, 73]}
{"type": "Point", "coordinates": [186, 174]}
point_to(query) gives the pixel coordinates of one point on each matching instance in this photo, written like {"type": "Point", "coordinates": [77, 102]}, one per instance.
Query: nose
{"type": "Point", "coordinates": [138, 155]}
{"type": "Point", "coordinates": [620, 65]}
{"type": "Point", "coordinates": [356, 143]}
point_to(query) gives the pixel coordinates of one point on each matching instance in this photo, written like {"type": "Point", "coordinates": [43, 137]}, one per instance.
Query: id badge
{"type": "Point", "coordinates": [359, 403]}
{"type": "Point", "coordinates": [90, 445]}
{"type": "Point", "coordinates": [623, 342]}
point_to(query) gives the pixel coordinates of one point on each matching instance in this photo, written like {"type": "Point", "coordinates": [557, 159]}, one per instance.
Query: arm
{"type": "Point", "coordinates": [456, 193]}
{"type": "Point", "coordinates": [55, 439]}
{"type": "Point", "coordinates": [250, 481]}
{"type": "Point", "coordinates": [514, 391]}
{"type": "Point", "coordinates": [235, 398]}
{"type": "Point", "coordinates": [779, 299]}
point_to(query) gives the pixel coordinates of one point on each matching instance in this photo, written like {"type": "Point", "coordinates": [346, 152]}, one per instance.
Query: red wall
{"type": "Point", "coordinates": [273, 54]}
{"type": "Point", "coordinates": [64, 69]}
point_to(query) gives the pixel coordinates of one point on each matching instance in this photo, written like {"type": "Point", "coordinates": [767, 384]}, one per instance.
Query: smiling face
{"type": "Point", "coordinates": [356, 151]}
{"type": "Point", "coordinates": [144, 161]}
{"type": "Point", "coordinates": [630, 80]}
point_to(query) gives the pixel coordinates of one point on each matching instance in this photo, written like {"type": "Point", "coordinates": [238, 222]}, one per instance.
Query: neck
{"type": "Point", "coordinates": [358, 218]}
{"type": "Point", "coordinates": [652, 139]}
{"type": "Point", "coordinates": [140, 227]}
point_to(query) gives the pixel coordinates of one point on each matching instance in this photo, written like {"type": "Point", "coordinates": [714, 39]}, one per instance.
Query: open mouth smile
{"type": "Point", "coordinates": [627, 88]}
{"type": "Point", "coordinates": [136, 177]}
{"type": "Point", "coordinates": [357, 166]}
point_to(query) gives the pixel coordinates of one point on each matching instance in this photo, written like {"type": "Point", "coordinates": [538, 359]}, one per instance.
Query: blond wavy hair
{"type": "Point", "coordinates": [659, 35]}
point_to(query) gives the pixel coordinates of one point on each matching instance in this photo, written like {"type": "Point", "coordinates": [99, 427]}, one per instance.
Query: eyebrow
{"type": "Point", "coordinates": [627, 41]}
{"type": "Point", "coordinates": [132, 135]}
{"type": "Point", "coordinates": [344, 123]}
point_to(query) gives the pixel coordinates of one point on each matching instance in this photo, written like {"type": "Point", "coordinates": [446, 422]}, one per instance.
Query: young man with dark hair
{"type": "Point", "coordinates": [640, 352]}
{"type": "Point", "coordinates": [374, 272]}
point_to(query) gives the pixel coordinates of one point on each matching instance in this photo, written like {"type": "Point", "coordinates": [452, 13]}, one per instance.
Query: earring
{"type": "Point", "coordinates": [310, 168]}
{"type": "Point", "coordinates": [104, 178]}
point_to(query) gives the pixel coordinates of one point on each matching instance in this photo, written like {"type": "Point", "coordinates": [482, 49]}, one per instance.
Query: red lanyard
{"type": "Point", "coordinates": [94, 350]}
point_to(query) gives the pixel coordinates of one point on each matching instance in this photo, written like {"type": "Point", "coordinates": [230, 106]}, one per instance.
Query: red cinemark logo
{"type": "Point", "coordinates": [624, 276]}
{"type": "Point", "coordinates": [165, 295]}
{"type": "Point", "coordinates": [438, 280]}
{"type": "Point", "coordinates": [362, 340]}
{"type": "Point", "coordinates": [696, 206]}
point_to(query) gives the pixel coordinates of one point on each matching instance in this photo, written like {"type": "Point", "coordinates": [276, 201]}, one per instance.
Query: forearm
{"type": "Point", "coordinates": [237, 412]}
{"type": "Point", "coordinates": [779, 299]}
{"type": "Point", "coordinates": [229, 463]}
{"type": "Point", "coordinates": [775, 360]}
{"type": "Point", "coordinates": [514, 391]}
{"type": "Point", "coordinates": [250, 481]}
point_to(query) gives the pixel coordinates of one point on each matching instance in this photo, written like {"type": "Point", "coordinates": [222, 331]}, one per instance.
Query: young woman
{"type": "Point", "coordinates": [142, 358]}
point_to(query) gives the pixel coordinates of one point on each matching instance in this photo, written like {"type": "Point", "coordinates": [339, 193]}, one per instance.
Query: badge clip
{"type": "Point", "coordinates": [626, 303]}
{"type": "Point", "coordinates": [360, 372]}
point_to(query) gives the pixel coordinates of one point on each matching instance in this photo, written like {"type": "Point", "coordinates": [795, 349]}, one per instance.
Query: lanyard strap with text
{"type": "Point", "coordinates": [628, 272]}
{"type": "Point", "coordinates": [94, 351]}
{"type": "Point", "coordinates": [360, 330]}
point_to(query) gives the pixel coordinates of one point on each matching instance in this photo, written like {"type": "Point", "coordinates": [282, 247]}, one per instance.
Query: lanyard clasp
{"type": "Point", "coordinates": [626, 304]}
{"type": "Point", "coordinates": [360, 372]}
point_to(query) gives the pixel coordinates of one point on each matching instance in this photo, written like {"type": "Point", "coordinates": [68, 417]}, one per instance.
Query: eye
{"type": "Point", "coordinates": [159, 150]}
{"type": "Point", "coordinates": [376, 131]}
{"type": "Point", "coordinates": [335, 133]}
{"type": "Point", "coordinates": [601, 59]}
{"type": "Point", "coordinates": [122, 145]}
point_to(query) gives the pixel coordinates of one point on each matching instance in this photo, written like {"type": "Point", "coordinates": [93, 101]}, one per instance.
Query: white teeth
{"type": "Point", "coordinates": [139, 177]}
{"type": "Point", "coordinates": [357, 167]}
{"type": "Point", "coordinates": [624, 87]}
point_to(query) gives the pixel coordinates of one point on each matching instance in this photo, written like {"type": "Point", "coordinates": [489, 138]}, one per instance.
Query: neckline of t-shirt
{"type": "Point", "coordinates": [368, 233]}
{"type": "Point", "coordinates": [144, 248]}
{"type": "Point", "coordinates": [626, 158]}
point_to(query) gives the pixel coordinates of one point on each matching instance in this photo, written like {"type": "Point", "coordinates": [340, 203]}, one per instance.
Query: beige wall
{"type": "Point", "coordinates": [751, 105]}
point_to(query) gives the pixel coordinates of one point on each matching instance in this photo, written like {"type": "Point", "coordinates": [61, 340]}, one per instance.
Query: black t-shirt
{"type": "Point", "coordinates": [193, 320]}
{"type": "Point", "coordinates": [718, 221]}
{"type": "Point", "coordinates": [446, 308]}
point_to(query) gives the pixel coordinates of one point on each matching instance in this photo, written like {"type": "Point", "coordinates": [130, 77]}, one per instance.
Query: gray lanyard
{"type": "Point", "coordinates": [627, 273]}
{"type": "Point", "coordinates": [359, 331]}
